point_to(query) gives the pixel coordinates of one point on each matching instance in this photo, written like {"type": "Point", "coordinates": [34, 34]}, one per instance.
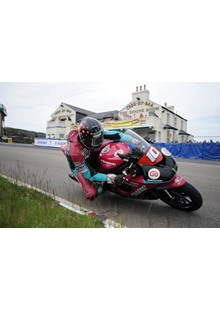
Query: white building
{"type": "Point", "coordinates": [67, 115]}
{"type": "Point", "coordinates": [158, 122]}
{"type": "Point", "coordinates": [60, 123]}
{"type": "Point", "coordinates": [146, 117]}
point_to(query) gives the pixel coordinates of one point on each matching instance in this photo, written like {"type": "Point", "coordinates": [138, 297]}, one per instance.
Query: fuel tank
{"type": "Point", "coordinates": [109, 158]}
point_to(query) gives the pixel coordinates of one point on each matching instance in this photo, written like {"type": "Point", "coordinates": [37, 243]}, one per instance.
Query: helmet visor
{"type": "Point", "coordinates": [97, 139]}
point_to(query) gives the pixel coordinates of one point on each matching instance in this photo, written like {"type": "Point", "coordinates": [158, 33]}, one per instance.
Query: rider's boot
{"type": "Point", "coordinates": [88, 188]}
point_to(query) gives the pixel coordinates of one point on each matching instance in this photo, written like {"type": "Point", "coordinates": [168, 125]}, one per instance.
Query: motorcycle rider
{"type": "Point", "coordinates": [81, 144]}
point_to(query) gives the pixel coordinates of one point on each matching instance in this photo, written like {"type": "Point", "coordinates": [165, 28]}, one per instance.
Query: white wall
{"type": "Point", "coordinates": [57, 125]}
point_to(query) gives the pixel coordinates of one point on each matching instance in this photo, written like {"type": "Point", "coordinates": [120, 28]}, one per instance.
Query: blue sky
{"type": "Point", "coordinates": [29, 105]}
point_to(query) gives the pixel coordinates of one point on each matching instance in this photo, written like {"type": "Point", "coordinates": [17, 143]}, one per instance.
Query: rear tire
{"type": "Point", "coordinates": [186, 198]}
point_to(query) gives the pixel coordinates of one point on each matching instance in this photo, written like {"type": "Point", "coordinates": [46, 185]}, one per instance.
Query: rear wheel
{"type": "Point", "coordinates": [186, 197]}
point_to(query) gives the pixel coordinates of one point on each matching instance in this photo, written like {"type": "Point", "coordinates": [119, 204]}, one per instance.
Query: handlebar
{"type": "Point", "coordinates": [132, 157]}
{"type": "Point", "coordinates": [124, 157]}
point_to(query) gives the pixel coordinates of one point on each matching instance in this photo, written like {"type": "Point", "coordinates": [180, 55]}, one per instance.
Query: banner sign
{"type": "Point", "coordinates": [122, 124]}
{"type": "Point", "coordinates": [49, 142]}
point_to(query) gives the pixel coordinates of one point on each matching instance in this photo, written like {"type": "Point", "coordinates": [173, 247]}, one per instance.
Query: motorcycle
{"type": "Point", "coordinates": [146, 172]}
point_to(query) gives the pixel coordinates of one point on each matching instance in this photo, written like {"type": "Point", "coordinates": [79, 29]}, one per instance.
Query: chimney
{"type": "Point", "coordinates": [141, 92]}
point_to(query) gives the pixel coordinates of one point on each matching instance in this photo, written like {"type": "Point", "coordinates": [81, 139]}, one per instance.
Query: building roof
{"type": "Point", "coordinates": [167, 126]}
{"type": "Point", "coordinates": [173, 113]}
{"type": "Point", "coordinates": [100, 115]}
{"type": "Point", "coordinates": [83, 111]}
{"type": "Point", "coordinates": [103, 115]}
{"type": "Point", "coordinates": [184, 133]}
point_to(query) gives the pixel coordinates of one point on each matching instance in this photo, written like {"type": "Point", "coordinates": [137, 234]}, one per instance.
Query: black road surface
{"type": "Point", "coordinates": [48, 169]}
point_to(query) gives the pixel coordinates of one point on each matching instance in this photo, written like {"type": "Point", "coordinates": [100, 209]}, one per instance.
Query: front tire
{"type": "Point", "coordinates": [186, 198]}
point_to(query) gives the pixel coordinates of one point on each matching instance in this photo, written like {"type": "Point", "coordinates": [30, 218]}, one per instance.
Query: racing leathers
{"type": "Point", "coordinates": [77, 154]}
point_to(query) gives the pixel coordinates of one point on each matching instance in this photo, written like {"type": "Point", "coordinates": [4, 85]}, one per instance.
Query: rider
{"type": "Point", "coordinates": [80, 144]}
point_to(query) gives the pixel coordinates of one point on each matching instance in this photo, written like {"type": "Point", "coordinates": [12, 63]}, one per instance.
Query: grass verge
{"type": "Point", "coordinates": [21, 207]}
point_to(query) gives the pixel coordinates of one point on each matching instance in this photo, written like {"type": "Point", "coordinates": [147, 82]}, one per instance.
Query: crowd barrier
{"type": "Point", "coordinates": [210, 151]}
{"type": "Point", "coordinates": [49, 142]}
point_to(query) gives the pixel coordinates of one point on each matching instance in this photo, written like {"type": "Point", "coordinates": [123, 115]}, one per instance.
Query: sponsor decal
{"type": "Point", "coordinates": [154, 174]}
{"type": "Point", "coordinates": [83, 151]}
{"type": "Point", "coordinates": [178, 180]}
{"type": "Point", "coordinates": [165, 152]}
{"type": "Point", "coordinates": [158, 181]}
{"type": "Point", "coordinates": [152, 154]}
{"type": "Point", "coordinates": [118, 152]}
{"type": "Point", "coordinates": [107, 162]}
{"type": "Point", "coordinates": [82, 168]}
{"type": "Point", "coordinates": [105, 150]}
{"type": "Point", "coordinates": [139, 191]}
{"type": "Point", "coordinates": [134, 184]}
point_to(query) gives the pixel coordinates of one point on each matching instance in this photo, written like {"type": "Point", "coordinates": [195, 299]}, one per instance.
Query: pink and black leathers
{"type": "Point", "coordinates": [78, 158]}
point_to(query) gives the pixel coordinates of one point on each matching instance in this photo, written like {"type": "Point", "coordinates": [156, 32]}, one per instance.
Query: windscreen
{"type": "Point", "coordinates": [138, 141]}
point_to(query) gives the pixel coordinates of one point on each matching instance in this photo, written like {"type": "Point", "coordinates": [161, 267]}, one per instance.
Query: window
{"type": "Point", "coordinates": [168, 118]}
{"type": "Point", "coordinates": [174, 136]}
{"type": "Point", "coordinates": [182, 124]}
{"type": "Point", "coordinates": [168, 136]}
{"type": "Point", "coordinates": [61, 135]}
{"type": "Point", "coordinates": [159, 136]}
{"type": "Point", "coordinates": [175, 121]}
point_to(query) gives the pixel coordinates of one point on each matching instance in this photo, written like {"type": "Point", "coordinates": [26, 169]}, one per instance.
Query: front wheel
{"type": "Point", "coordinates": [186, 197]}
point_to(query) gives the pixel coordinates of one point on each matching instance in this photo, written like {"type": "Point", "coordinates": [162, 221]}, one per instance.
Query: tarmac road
{"type": "Point", "coordinates": [47, 169]}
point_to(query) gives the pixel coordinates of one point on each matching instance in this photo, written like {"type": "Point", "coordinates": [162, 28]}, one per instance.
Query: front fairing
{"type": "Point", "coordinates": [151, 156]}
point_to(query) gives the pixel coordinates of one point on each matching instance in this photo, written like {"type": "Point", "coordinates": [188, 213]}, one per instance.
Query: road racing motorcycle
{"type": "Point", "coordinates": [145, 171]}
